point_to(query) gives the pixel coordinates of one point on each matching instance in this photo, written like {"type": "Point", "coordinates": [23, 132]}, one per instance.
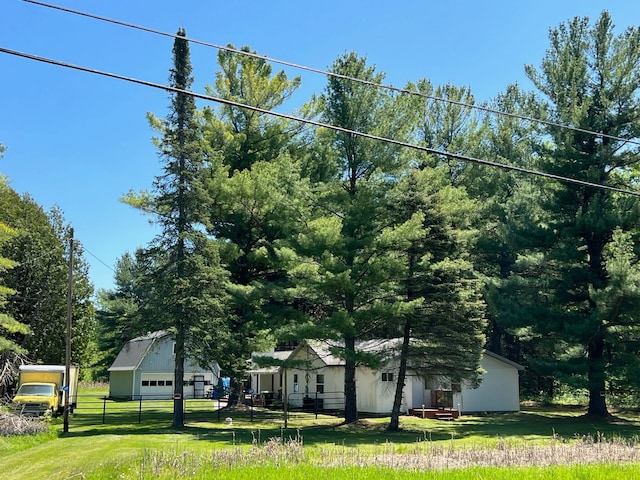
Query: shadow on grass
{"type": "Point", "coordinates": [261, 425]}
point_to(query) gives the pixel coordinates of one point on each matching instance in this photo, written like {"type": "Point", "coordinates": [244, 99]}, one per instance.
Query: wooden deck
{"type": "Point", "coordinates": [435, 413]}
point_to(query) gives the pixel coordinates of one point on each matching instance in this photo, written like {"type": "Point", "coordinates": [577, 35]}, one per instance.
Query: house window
{"type": "Point", "coordinates": [168, 383]}
{"type": "Point", "coordinates": [153, 383]}
{"type": "Point", "coordinates": [161, 383]}
{"type": "Point", "coordinates": [320, 383]}
{"type": "Point", "coordinates": [387, 376]}
{"type": "Point", "coordinates": [145, 383]}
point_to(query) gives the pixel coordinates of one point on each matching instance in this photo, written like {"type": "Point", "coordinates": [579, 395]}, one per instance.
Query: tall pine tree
{"type": "Point", "coordinates": [256, 202]}
{"type": "Point", "coordinates": [180, 272]}
{"type": "Point", "coordinates": [350, 279]}
{"type": "Point", "coordinates": [591, 80]}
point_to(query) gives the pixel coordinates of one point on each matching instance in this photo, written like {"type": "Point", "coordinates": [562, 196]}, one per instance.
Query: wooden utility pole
{"type": "Point", "coordinates": [67, 364]}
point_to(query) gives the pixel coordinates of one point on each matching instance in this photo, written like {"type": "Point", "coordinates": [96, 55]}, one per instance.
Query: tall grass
{"type": "Point", "coordinates": [277, 455]}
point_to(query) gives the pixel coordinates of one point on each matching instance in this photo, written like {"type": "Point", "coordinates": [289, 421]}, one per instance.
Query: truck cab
{"type": "Point", "coordinates": [38, 398]}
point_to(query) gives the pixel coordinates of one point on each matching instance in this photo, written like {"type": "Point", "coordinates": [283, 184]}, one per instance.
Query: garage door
{"type": "Point", "coordinates": [156, 385]}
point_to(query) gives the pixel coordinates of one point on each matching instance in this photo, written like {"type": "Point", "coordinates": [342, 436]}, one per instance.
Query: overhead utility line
{"type": "Point", "coordinates": [332, 74]}
{"type": "Point", "coordinates": [231, 103]}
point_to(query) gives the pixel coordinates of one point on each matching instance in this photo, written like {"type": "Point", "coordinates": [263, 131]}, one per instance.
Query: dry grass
{"type": "Point", "coordinates": [558, 452]}
{"type": "Point", "coordinates": [278, 452]}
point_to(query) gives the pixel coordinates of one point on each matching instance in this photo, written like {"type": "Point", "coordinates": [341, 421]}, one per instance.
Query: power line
{"type": "Point", "coordinates": [337, 75]}
{"type": "Point", "coordinates": [392, 141]}
{"type": "Point", "coordinates": [99, 259]}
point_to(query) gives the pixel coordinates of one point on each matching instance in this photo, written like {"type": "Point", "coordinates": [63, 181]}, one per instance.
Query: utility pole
{"type": "Point", "coordinates": [67, 363]}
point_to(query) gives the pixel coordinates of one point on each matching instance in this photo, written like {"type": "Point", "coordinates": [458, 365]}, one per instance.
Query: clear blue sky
{"type": "Point", "coordinates": [80, 141]}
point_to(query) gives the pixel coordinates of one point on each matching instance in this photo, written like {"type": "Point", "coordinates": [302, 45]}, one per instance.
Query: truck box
{"type": "Point", "coordinates": [41, 389]}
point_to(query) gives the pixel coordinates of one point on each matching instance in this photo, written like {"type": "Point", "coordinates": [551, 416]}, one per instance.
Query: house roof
{"type": "Point", "coordinates": [277, 355]}
{"type": "Point", "coordinates": [503, 359]}
{"type": "Point", "coordinates": [323, 349]}
{"type": "Point", "coordinates": [134, 351]}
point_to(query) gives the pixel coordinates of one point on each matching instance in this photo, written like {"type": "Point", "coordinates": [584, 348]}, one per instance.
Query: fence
{"type": "Point", "coordinates": [316, 402]}
{"type": "Point", "coordinates": [93, 410]}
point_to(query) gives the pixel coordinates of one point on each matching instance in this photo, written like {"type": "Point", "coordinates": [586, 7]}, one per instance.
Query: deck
{"type": "Point", "coordinates": [435, 413]}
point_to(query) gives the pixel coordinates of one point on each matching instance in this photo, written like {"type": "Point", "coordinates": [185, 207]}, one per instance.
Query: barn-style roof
{"type": "Point", "coordinates": [134, 351]}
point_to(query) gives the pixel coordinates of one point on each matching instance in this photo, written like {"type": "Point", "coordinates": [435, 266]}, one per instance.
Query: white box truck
{"type": "Point", "coordinates": [41, 389]}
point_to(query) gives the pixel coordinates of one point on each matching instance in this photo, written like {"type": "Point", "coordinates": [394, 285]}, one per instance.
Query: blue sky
{"type": "Point", "coordinates": [80, 141]}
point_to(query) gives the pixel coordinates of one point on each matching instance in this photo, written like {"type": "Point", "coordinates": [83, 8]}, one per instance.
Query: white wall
{"type": "Point", "coordinates": [498, 392]}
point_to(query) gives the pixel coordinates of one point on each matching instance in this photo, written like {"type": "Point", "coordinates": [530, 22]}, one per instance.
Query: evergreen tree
{"type": "Point", "coordinates": [256, 203]}
{"type": "Point", "coordinates": [117, 313]}
{"type": "Point", "coordinates": [8, 325]}
{"type": "Point", "coordinates": [442, 328]}
{"type": "Point", "coordinates": [509, 216]}
{"type": "Point", "coordinates": [449, 125]}
{"type": "Point", "coordinates": [350, 278]}
{"type": "Point", "coordinates": [180, 271]}
{"type": "Point", "coordinates": [591, 80]}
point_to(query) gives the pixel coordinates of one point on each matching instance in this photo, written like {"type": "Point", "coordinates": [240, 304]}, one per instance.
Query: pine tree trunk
{"type": "Point", "coordinates": [178, 384]}
{"type": "Point", "coordinates": [350, 400]}
{"type": "Point", "coordinates": [597, 400]}
{"type": "Point", "coordinates": [394, 423]}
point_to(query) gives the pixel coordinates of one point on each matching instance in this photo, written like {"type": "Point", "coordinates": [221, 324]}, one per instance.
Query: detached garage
{"type": "Point", "coordinates": [144, 368]}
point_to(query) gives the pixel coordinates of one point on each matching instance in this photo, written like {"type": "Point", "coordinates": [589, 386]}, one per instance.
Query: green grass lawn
{"type": "Point", "coordinates": [314, 448]}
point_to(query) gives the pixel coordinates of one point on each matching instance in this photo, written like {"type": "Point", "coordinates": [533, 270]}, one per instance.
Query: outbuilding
{"type": "Point", "coordinates": [145, 366]}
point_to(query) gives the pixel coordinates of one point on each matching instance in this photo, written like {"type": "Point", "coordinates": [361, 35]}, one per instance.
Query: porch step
{"type": "Point", "coordinates": [444, 416]}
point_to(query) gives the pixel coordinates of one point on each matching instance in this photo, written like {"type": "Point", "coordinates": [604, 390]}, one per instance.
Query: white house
{"type": "Point", "coordinates": [144, 368]}
{"type": "Point", "coordinates": [314, 376]}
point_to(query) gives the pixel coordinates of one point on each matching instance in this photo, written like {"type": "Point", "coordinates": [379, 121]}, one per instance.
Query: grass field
{"type": "Point", "coordinates": [541, 443]}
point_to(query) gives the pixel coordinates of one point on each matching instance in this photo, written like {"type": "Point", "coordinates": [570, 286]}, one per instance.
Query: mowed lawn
{"type": "Point", "coordinates": [134, 443]}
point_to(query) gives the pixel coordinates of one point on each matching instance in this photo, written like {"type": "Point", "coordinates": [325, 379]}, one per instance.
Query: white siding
{"type": "Point", "coordinates": [498, 392]}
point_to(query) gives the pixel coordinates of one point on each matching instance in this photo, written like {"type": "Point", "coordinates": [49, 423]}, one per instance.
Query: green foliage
{"type": "Point", "coordinates": [8, 325]}
{"type": "Point", "coordinates": [181, 282]}
{"type": "Point", "coordinates": [40, 278]}
{"type": "Point", "coordinates": [117, 313]}
{"type": "Point", "coordinates": [257, 198]}
{"type": "Point", "coordinates": [240, 136]}
{"type": "Point", "coordinates": [590, 79]}
{"type": "Point", "coordinates": [350, 273]}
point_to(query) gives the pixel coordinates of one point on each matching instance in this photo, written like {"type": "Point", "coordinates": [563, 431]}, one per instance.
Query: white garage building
{"type": "Point", "coordinates": [144, 368]}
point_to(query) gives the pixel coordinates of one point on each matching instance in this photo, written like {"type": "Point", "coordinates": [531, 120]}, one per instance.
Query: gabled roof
{"type": "Point", "coordinates": [323, 350]}
{"type": "Point", "coordinates": [135, 350]}
{"type": "Point", "coordinates": [277, 355]}
{"type": "Point", "coordinates": [503, 359]}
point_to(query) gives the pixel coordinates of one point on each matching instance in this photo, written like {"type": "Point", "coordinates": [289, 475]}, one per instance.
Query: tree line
{"type": "Point", "coordinates": [273, 231]}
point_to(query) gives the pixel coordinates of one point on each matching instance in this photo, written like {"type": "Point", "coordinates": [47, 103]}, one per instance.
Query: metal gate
{"type": "Point", "coordinates": [198, 386]}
